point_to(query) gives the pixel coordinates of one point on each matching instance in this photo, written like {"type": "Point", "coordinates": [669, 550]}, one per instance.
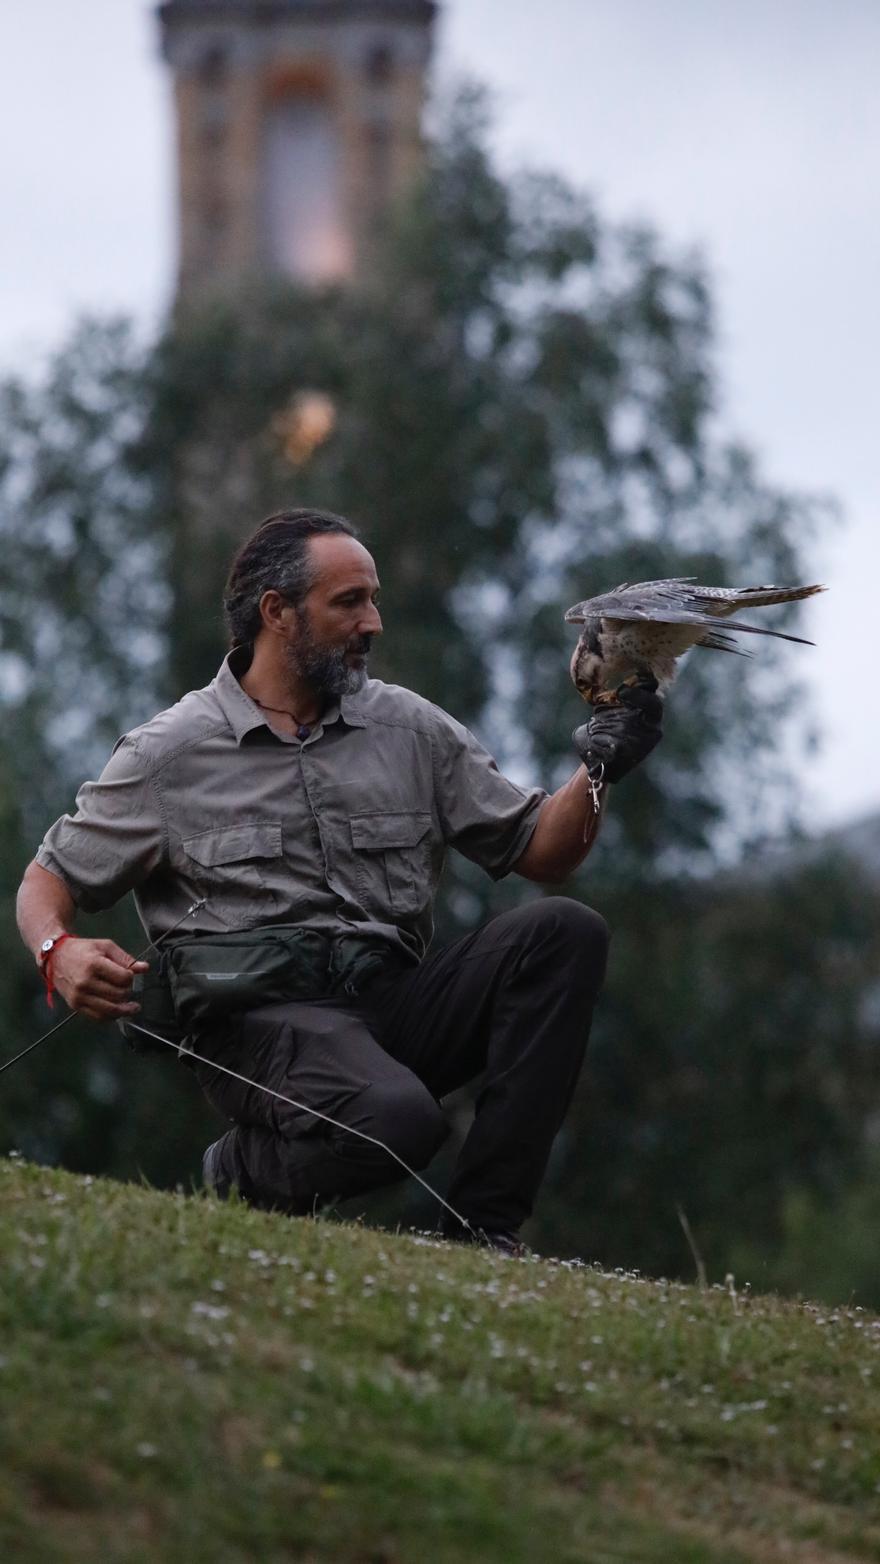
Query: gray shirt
{"type": "Point", "coordinates": [344, 832]}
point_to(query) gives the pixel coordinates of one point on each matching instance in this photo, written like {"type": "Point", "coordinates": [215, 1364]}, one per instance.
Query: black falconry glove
{"type": "Point", "coordinates": [622, 733]}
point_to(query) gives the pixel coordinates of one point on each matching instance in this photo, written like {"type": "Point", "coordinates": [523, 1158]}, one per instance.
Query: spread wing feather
{"type": "Point", "coordinates": [613, 609]}
{"type": "Point", "coordinates": [717, 641]}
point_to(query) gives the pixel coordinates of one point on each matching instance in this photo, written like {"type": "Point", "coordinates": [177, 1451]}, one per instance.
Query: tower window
{"type": "Point", "coordinates": [379, 65]}
{"type": "Point", "coordinates": [213, 130]}
{"type": "Point", "coordinates": [215, 216]}
{"type": "Point", "coordinates": [302, 189]}
{"type": "Point", "coordinates": [213, 67]}
{"type": "Point", "coordinates": [378, 147]}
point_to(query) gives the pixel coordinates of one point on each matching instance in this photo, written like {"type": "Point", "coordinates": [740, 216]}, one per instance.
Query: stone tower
{"type": "Point", "coordinates": [298, 121]}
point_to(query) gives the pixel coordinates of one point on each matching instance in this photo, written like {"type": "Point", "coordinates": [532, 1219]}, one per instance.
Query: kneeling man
{"type": "Point", "coordinates": [295, 793]}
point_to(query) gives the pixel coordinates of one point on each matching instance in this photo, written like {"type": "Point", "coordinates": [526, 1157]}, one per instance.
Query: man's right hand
{"type": "Point", "coordinates": [94, 976]}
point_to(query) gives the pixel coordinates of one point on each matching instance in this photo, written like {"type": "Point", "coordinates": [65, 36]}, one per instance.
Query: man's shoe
{"type": "Point", "coordinates": [487, 1238]}
{"type": "Point", "coordinates": [213, 1175]}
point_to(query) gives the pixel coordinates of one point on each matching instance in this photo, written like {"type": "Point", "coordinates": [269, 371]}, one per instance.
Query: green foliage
{"type": "Point", "coordinates": [84, 591]}
{"type": "Point", "coordinates": [240, 1386]}
{"type": "Point", "coordinates": [825, 1243]}
{"type": "Point", "coordinates": [734, 1070]}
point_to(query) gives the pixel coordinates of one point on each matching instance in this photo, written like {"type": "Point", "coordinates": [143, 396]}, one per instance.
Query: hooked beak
{"type": "Point", "coordinates": [575, 615]}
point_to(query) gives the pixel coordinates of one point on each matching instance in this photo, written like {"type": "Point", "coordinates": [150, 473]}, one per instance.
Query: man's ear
{"type": "Point", "coordinates": [275, 612]}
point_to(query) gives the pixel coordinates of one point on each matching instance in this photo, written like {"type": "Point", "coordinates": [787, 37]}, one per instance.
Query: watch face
{"type": "Point", "coordinates": [47, 946]}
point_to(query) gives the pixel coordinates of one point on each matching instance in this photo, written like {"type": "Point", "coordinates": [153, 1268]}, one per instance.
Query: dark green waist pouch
{"type": "Point", "coordinates": [201, 979]}
{"type": "Point", "coordinates": [211, 975]}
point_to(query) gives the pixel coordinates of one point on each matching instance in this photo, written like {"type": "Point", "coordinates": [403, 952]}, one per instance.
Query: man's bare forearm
{"type": "Point", "coordinates": [566, 829]}
{"type": "Point", "coordinates": [44, 907]}
{"type": "Point", "coordinates": [94, 976]}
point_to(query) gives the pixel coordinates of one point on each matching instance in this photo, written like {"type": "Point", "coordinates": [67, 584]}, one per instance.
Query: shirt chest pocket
{"type": "Point", "coordinates": [392, 853]}
{"type": "Point", "coordinates": [234, 866]}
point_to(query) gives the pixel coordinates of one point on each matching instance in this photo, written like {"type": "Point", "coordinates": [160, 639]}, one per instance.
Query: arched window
{"type": "Point", "coordinates": [379, 65]}
{"type": "Point", "coordinates": [302, 187]}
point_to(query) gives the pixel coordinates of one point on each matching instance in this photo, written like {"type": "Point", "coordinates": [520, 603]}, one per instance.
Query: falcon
{"type": "Point", "coordinates": [645, 627]}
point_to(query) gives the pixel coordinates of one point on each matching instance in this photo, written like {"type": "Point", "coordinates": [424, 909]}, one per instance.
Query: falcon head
{"type": "Point", "coordinates": [587, 665]}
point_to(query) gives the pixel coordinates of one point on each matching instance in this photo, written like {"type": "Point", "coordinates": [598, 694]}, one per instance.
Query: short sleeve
{"type": "Point", "coordinates": [484, 815]}
{"type": "Point", "coordinates": [115, 839]}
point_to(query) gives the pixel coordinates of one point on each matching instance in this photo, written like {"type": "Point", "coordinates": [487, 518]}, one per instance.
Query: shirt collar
{"type": "Point", "coordinates": [243, 714]}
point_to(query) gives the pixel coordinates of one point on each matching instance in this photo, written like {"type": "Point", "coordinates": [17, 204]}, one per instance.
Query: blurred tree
{"type": "Point", "coordinates": [84, 603]}
{"type": "Point", "coordinates": [520, 410]}
{"type": "Point", "coordinates": [84, 594]}
{"type": "Point", "coordinates": [733, 1074]}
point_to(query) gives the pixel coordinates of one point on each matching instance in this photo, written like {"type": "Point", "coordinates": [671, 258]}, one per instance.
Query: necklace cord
{"type": "Point", "coordinates": [281, 711]}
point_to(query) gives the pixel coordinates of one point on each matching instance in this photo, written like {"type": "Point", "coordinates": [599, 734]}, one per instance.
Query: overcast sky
{"type": "Point", "coordinates": [750, 128]}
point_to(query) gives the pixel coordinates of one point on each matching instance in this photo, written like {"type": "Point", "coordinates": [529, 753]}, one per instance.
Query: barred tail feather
{"type": "Point", "coordinates": [764, 596]}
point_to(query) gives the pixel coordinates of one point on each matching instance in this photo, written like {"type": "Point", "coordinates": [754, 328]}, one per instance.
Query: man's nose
{"type": "Point", "coordinates": [371, 624]}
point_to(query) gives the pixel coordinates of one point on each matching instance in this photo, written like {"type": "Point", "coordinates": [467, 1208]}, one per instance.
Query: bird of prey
{"type": "Point", "coordinates": [645, 627]}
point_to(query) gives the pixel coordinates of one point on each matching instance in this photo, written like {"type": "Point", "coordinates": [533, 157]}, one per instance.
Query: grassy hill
{"type": "Point", "coordinates": [186, 1381]}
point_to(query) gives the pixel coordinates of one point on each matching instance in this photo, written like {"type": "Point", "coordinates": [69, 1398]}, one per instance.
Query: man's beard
{"type": "Point", "coordinates": [324, 667]}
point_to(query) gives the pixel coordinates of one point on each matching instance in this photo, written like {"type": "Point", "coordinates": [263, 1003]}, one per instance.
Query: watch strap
{"type": "Point", "coordinates": [47, 951]}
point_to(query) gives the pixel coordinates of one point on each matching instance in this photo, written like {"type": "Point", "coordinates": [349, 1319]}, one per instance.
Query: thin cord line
{"type": "Point", "coordinates": [31, 1046]}
{"type": "Point", "coordinates": [304, 1108]}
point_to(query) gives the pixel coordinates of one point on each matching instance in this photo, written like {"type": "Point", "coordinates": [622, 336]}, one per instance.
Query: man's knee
{"type": "Point", "coordinates": [404, 1116]}
{"type": "Point", "coordinates": [566, 923]}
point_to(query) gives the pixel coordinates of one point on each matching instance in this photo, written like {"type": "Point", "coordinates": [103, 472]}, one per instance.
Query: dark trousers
{"type": "Point", "coordinates": [512, 1002]}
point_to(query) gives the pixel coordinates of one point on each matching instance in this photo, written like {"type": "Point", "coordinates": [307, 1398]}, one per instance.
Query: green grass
{"type": "Point", "coordinates": [186, 1381]}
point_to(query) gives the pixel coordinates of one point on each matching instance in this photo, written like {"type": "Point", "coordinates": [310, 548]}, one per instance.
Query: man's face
{"type": "Point", "coordinates": [334, 626]}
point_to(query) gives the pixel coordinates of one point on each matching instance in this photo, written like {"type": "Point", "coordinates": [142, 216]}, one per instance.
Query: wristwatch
{"type": "Point", "coordinates": [48, 946]}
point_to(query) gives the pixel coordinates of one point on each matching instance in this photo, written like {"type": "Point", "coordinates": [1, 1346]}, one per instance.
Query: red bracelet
{"type": "Point", "coordinates": [45, 965]}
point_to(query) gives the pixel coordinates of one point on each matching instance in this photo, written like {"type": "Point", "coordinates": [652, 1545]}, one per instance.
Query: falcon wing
{"type": "Point", "coordinates": [662, 602]}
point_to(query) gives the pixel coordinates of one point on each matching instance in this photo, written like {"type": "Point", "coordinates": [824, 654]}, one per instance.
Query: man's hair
{"type": "Point", "coordinates": [276, 558]}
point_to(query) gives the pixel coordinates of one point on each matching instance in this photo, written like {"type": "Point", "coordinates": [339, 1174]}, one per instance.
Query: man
{"type": "Point", "coordinates": [295, 791]}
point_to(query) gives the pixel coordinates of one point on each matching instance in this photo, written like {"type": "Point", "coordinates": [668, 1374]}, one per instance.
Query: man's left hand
{"type": "Point", "coordinates": [621, 735]}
